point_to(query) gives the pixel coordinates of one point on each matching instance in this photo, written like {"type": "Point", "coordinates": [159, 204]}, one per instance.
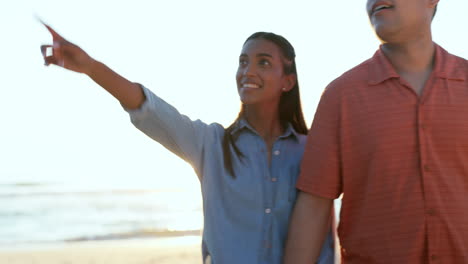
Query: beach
{"type": "Point", "coordinates": [172, 250]}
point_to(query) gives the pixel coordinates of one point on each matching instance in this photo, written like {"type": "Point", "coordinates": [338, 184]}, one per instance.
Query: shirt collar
{"type": "Point", "coordinates": [380, 68]}
{"type": "Point", "coordinates": [445, 66]}
{"type": "Point", "coordinates": [242, 124]}
{"type": "Point", "coordinates": [448, 66]}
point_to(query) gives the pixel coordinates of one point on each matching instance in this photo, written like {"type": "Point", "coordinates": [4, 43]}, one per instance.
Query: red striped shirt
{"type": "Point", "coordinates": [400, 160]}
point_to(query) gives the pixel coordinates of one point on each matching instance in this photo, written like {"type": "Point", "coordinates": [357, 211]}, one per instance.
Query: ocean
{"type": "Point", "coordinates": [43, 211]}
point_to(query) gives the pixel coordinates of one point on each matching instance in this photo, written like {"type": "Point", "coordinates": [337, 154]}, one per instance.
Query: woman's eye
{"type": "Point", "coordinates": [242, 62]}
{"type": "Point", "coordinates": [264, 62]}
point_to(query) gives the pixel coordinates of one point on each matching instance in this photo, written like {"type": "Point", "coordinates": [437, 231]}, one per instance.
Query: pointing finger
{"type": "Point", "coordinates": [55, 35]}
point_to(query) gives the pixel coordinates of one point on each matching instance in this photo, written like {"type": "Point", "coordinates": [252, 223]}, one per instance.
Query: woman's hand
{"type": "Point", "coordinates": [69, 56]}
{"type": "Point", "coordinates": [66, 54]}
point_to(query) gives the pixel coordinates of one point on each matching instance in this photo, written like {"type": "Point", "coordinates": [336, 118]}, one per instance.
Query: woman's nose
{"type": "Point", "coordinates": [248, 70]}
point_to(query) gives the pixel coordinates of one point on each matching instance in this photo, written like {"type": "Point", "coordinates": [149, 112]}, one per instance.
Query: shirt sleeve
{"type": "Point", "coordinates": [321, 165]}
{"type": "Point", "coordinates": [176, 132]}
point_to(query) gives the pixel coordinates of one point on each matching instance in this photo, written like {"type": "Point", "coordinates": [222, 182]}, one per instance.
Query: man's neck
{"type": "Point", "coordinates": [411, 57]}
{"type": "Point", "coordinates": [413, 61]}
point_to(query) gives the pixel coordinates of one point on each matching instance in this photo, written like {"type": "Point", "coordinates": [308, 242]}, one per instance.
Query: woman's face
{"type": "Point", "coordinates": [260, 76]}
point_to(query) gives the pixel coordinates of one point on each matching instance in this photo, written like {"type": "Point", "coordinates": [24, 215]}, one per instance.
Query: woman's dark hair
{"type": "Point", "coordinates": [290, 110]}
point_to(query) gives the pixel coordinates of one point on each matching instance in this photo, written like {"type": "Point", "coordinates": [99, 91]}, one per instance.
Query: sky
{"type": "Point", "coordinates": [58, 124]}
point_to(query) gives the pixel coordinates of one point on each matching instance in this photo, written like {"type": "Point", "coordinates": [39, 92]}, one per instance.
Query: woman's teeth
{"type": "Point", "coordinates": [250, 85]}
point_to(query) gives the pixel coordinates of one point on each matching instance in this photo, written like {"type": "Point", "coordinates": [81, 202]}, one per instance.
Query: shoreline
{"type": "Point", "coordinates": [164, 250]}
{"type": "Point", "coordinates": [138, 234]}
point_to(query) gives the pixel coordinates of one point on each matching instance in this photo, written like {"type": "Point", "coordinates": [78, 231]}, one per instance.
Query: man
{"type": "Point", "coordinates": [391, 135]}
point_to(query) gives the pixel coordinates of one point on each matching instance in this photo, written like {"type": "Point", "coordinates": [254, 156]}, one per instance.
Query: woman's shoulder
{"type": "Point", "coordinates": [302, 139]}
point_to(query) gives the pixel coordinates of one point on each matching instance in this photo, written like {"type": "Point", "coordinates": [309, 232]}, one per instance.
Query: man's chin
{"type": "Point", "coordinates": [385, 33]}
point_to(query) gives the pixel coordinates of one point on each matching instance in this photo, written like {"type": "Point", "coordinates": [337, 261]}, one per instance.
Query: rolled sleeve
{"type": "Point", "coordinates": [176, 132]}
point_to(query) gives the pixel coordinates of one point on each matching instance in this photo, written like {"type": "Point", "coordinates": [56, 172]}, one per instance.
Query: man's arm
{"type": "Point", "coordinates": [308, 227]}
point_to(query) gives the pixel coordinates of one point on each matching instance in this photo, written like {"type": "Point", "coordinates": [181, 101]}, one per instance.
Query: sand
{"type": "Point", "coordinates": [178, 250]}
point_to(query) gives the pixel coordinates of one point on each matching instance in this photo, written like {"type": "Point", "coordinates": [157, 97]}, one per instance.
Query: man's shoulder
{"type": "Point", "coordinates": [455, 63]}
{"type": "Point", "coordinates": [463, 63]}
{"type": "Point", "coordinates": [464, 66]}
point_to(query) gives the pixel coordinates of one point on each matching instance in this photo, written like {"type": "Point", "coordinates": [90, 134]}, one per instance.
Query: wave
{"type": "Point", "coordinates": [140, 234]}
{"type": "Point", "coordinates": [14, 194]}
{"type": "Point", "coordinates": [146, 233]}
{"type": "Point", "coordinates": [23, 184]}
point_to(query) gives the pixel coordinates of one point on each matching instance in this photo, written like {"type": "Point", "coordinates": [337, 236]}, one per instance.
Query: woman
{"type": "Point", "coordinates": [248, 170]}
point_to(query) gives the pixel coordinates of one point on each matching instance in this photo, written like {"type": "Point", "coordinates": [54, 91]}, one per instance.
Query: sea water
{"type": "Point", "coordinates": [38, 210]}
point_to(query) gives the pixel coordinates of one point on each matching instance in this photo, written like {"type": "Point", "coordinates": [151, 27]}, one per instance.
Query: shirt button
{"type": "Point", "coordinates": [276, 152]}
{"type": "Point", "coordinates": [274, 179]}
{"type": "Point", "coordinates": [433, 257]}
{"type": "Point", "coordinates": [267, 211]}
{"type": "Point", "coordinates": [431, 212]}
{"type": "Point", "coordinates": [423, 126]}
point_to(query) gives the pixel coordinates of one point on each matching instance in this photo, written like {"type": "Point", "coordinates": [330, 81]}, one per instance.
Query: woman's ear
{"type": "Point", "coordinates": [289, 82]}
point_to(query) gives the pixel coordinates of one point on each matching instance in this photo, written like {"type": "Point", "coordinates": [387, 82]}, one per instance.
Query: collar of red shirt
{"type": "Point", "coordinates": [446, 66]}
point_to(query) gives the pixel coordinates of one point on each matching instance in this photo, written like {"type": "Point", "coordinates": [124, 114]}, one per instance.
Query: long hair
{"type": "Point", "coordinates": [290, 110]}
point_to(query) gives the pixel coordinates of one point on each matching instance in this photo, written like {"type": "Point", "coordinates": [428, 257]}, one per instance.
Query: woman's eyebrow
{"type": "Point", "coordinates": [258, 55]}
{"type": "Point", "coordinates": [264, 55]}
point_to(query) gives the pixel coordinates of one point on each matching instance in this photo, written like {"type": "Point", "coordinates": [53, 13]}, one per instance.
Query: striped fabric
{"type": "Point", "coordinates": [400, 161]}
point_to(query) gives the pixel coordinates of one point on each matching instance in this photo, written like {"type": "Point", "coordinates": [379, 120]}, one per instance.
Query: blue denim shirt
{"type": "Point", "coordinates": [245, 218]}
